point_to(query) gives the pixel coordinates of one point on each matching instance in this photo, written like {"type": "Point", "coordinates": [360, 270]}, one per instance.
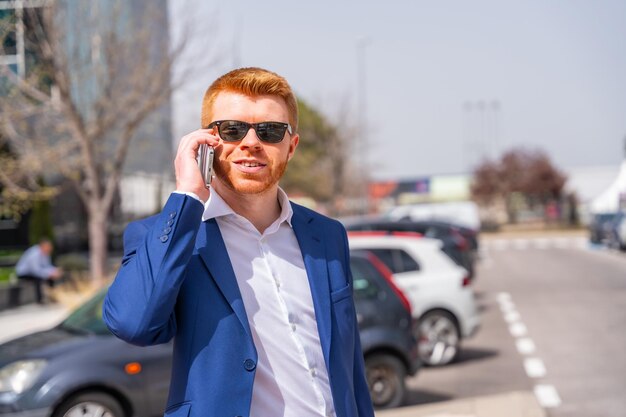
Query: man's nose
{"type": "Point", "coordinates": [251, 140]}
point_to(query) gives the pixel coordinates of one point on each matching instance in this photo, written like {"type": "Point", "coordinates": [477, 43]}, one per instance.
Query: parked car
{"type": "Point", "coordinates": [386, 329]}
{"type": "Point", "coordinates": [80, 369]}
{"type": "Point", "coordinates": [440, 293]}
{"type": "Point", "coordinates": [462, 213]}
{"type": "Point", "coordinates": [461, 249]}
{"type": "Point", "coordinates": [615, 231]}
{"type": "Point", "coordinates": [599, 227]}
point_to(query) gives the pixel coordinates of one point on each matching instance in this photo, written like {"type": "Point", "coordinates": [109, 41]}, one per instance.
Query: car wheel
{"type": "Point", "coordinates": [438, 338]}
{"type": "Point", "coordinates": [91, 404]}
{"type": "Point", "coordinates": [385, 378]}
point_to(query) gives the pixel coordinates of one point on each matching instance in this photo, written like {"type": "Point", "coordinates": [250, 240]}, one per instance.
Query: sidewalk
{"type": "Point", "coordinates": [512, 404]}
{"type": "Point", "coordinates": [29, 318]}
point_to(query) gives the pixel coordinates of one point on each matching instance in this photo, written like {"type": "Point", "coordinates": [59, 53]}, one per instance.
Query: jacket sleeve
{"type": "Point", "coordinates": [139, 306]}
{"type": "Point", "coordinates": [361, 390]}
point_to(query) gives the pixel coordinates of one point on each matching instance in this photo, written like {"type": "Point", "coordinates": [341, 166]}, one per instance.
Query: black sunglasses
{"type": "Point", "coordinates": [234, 130]}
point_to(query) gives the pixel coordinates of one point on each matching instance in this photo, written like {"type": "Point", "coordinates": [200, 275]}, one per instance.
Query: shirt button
{"type": "Point", "coordinates": [313, 372]}
{"type": "Point", "coordinates": [293, 326]}
{"type": "Point", "coordinates": [164, 238]}
{"type": "Point", "coordinates": [249, 365]}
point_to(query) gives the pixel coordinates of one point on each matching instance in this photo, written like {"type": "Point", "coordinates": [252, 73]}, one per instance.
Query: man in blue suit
{"type": "Point", "coordinates": [255, 290]}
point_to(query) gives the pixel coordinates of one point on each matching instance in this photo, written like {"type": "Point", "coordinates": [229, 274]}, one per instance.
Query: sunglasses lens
{"type": "Point", "coordinates": [232, 130]}
{"type": "Point", "coordinates": [271, 132]}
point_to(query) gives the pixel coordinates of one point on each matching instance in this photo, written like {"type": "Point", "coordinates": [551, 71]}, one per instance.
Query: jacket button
{"type": "Point", "coordinates": [163, 238]}
{"type": "Point", "coordinates": [249, 364]}
{"type": "Point", "coordinates": [170, 222]}
{"type": "Point", "coordinates": [167, 230]}
{"type": "Point", "coordinates": [172, 215]}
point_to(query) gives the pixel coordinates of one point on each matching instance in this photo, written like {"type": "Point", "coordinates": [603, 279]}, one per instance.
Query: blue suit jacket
{"type": "Point", "coordinates": [176, 280]}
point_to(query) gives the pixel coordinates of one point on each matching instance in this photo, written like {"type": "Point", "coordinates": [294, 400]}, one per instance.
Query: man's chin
{"type": "Point", "coordinates": [248, 186]}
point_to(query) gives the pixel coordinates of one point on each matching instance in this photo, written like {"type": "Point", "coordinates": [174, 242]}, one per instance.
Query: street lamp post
{"type": "Point", "coordinates": [362, 129]}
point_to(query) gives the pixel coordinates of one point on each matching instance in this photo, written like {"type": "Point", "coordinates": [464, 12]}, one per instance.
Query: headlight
{"type": "Point", "coordinates": [19, 376]}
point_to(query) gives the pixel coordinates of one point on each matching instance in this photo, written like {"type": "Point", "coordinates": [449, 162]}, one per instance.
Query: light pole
{"type": "Point", "coordinates": [362, 130]}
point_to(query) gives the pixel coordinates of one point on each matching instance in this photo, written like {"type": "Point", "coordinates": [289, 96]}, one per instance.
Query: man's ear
{"type": "Point", "coordinates": [293, 144]}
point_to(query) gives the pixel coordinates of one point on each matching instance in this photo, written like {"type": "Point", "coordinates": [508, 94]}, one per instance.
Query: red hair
{"type": "Point", "coordinates": [251, 82]}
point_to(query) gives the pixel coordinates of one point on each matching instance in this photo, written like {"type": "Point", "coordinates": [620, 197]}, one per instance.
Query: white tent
{"type": "Point", "coordinates": [609, 201]}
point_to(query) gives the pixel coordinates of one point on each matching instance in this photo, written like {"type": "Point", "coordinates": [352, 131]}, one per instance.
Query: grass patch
{"type": "Point", "coordinates": [5, 273]}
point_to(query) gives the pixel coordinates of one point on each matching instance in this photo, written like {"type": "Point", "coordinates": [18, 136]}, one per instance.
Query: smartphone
{"type": "Point", "coordinates": [205, 163]}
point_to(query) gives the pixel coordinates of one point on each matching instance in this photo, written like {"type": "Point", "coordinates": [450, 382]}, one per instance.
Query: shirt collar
{"type": "Point", "coordinates": [216, 207]}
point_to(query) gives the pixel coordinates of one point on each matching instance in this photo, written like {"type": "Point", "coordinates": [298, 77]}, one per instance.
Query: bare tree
{"type": "Point", "coordinates": [96, 76]}
{"type": "Point", "coordinates": [519, 173]}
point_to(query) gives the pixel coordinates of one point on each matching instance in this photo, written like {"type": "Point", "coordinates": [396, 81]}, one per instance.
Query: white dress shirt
{"type": "Point", "coordinates": [291, 377]}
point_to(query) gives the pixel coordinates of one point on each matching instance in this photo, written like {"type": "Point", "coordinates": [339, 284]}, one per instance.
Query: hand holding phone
{"type": "Point", "coordinates": [205, 163]}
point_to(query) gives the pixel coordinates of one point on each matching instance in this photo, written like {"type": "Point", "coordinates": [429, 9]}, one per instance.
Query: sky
{"type": "Point", "coordinates": [433, 87]}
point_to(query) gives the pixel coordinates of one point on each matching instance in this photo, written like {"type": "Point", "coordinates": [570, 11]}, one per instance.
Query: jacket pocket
{"type": "Point", "coordinates": [178, 410]}
{"type": "Point", "coordinates": [340, 294]}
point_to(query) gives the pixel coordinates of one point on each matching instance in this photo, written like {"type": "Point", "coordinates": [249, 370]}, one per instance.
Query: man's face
{"type": "Point", "coordinates": [46, 247]}
{"type": "Point", "coordinates": [251, 166]}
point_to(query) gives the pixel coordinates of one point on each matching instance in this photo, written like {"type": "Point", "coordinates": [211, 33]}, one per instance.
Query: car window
{"type": "Point", "coordinates": [88, 317]}
{"type": "Point", "coordinates": [363, 279]}
{"type": "Point", "coordinates": [386, 257]}
{"type": "Point", "coordinates": [397, 260]}
{"type": "Point", "coordinates": [407, 262]}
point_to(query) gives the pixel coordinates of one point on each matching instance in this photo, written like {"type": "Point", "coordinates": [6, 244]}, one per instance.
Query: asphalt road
{"type": "Point", "coordinates": [553, 320]}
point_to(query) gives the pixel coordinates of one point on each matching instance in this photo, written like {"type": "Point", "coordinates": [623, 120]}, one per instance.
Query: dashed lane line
{"type": "Point", "coordinates": [518, 329]}
{"type": "Point", "coordinates": [512, 317]}
{"type": "Point", "coordinates": [525, 346]}
{"type": "Point", "coordinates": [534, 367]}
{"type": "Point", "coordinates": [547, 396]}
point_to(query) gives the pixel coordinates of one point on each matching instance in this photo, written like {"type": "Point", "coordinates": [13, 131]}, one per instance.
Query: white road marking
{"type": "Point", "coordinates": [518, 329]}
{"type": "Point", "coordinates": [503, 296]}
{"type": "Point", "coordinates": [525, 346]}
{"type": "Point", "coordinates": [521, 244]}
{"type": "Point", "coordinates": [547, 396]}
{"type": "Point", "coordinates": [558, 242]}
{"type": "Point", "coordinates": [512, 316]}
{"type": "Point", "coordinates": [500, 244]}
{"type": "Point", "coordinates": [507, 307]}
{"type": "Point", "coordinates": [581, 243]}
{"type": "Point", "coordinates": [561, 243]}
{"type": "Point", "coordinates": [534, 367]}
{"type": "Point", "coordinates": [541, 243]}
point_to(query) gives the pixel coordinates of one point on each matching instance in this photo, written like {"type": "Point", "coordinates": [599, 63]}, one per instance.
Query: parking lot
{"type": "Point", "coordinates": [550, 343]}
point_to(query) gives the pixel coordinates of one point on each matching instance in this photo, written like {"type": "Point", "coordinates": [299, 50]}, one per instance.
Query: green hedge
{"type": "Point", "coordinates": [5, 273]}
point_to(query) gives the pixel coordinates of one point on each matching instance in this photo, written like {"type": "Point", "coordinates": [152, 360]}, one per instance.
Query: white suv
{"type": "Point", "coordinates": [440, 293]}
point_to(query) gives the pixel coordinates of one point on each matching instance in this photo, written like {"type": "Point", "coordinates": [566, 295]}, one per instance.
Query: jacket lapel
{"type": "Point", "coordinates": [213, 253]}
{"type": "Point", "coordinates": [309, 238]}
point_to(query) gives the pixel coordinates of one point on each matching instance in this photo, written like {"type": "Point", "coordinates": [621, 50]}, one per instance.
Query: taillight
{"type": "Point", "coordinates": [389, 278]}
{"type": "Point", "coordinates": [466, 281]}
{"type": "Point", "coordinates": [406, 234]}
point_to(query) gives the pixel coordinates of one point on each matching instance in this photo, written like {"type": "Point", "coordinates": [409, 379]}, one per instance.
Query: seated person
{"type": "Point", "coordinates": [35, 266]}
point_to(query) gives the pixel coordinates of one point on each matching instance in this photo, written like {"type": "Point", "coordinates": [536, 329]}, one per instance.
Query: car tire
{"type": "Point", "coordinates": [385, 376]}
{"type": "Point", "coordinates": [89, 404]}
{"type": "Point", "coordinates": [439, 339]}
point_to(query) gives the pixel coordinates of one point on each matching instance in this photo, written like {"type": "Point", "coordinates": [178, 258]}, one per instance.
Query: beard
{"type": "Point", "coordinates": [245, 183]}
